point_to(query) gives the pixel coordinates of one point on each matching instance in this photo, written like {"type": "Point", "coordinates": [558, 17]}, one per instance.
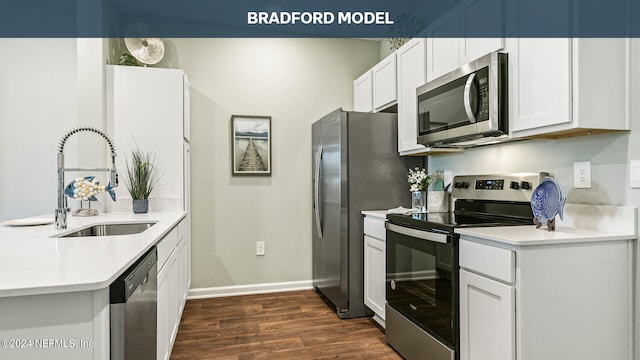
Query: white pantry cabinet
{"type": "Point", "coordinates": [384, 83]}
{"type": "Point", "coordinates": [568, 87]}
{"type": "Point", "coordinates": [363, 93]}
{"type": "Point", "coordinates": [149, 108]}
{"type": "Point", "coordinates": [375, 266]}
{"type": "Point", "coordinates": [539, 301]}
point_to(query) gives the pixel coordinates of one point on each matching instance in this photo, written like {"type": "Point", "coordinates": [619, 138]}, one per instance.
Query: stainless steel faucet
{"type": "Point", "coordinates": [62, 210]}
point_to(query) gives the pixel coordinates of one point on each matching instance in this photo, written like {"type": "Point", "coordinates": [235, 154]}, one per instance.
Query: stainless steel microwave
{"type": "Point", "coordinates": [465, 107]}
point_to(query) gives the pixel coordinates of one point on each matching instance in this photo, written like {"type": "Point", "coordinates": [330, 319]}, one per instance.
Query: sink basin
{"type": "Point", "coordinates": [110, 229]}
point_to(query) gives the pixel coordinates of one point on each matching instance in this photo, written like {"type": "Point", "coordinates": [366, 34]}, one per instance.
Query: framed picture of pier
{"type": "Point", "coordinates": [250, 145]}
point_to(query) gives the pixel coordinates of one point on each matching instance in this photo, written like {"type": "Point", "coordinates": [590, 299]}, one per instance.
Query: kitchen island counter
{"type": "Point", "coordinates": [34, 262]}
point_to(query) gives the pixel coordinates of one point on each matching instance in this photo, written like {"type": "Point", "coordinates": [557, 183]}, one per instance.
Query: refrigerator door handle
{"type": "Point", "coordinates": [316, 191]}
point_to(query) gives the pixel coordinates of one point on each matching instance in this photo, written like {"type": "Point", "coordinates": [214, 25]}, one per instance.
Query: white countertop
{"type": "Point", "coordinates": [529, 235]}
{"type": "Point", "coordinates": [381, 214]}
{"type": "Point", "coordinates": [32, 262]}
{"type": "Point", "coordinates": [581, 224]}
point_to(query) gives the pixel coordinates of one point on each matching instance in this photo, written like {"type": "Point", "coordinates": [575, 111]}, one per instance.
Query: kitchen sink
{"type": "Point", "coordinates": [110, 229]}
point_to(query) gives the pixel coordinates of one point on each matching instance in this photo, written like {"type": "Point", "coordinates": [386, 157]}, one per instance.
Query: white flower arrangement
{"type": "Point", "coordinates": [419, 179]}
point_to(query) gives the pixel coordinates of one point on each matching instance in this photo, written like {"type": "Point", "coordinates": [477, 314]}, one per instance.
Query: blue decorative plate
{"type": "Point", "coordinates": [546, 202]}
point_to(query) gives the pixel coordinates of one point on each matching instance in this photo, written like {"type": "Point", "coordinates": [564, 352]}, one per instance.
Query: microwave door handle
{"type": "Point", "coordinates": [467, 98]}
{"type": "Point", "coordinates": [316, 192]}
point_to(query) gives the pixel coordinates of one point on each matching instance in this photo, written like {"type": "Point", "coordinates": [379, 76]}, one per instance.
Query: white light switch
{"type": "Point", "coordinates": [634, 174]}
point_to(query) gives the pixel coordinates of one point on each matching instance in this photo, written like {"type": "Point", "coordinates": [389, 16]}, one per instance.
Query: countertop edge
{"type": "Point", "coordinates": [380, 214]}
{"type": "Point", "coordinates": [587, 237]}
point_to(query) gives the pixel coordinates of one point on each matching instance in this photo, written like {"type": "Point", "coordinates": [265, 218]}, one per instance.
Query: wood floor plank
{"type": "Point", "coordinates": [289, 325]}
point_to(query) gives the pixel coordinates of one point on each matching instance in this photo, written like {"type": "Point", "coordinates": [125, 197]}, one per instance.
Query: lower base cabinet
{"type": "Point", "coordinates": [487, 318]}
{"type": "Point", "coordinates": [551, 302]}
{"type": "Point", "coordinates": [173, 287]}
{"type": "Point", "coordinates": [375, 265]}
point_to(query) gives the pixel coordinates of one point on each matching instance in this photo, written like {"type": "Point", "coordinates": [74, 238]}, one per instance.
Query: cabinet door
{"type": "Point", "coordinates": [186, 105]}
{"type": "Point", "coordinates": [384, 82]}
{"type": "Point", "coordinates": [442, 49]}
{"type": "Point", "coordinates": [542, 83]}
{"type": "Point", "coordinates": [173, 296]}
{"type": "Point", "coordinates": [412, 72]}
{"type": "Point", "coordinates": [374, 275]}
{"type": "Point", "coordinates": [471, 46]}
{"type": "Point", "coordinates": [363, 93]}
{"type": "Point", "coordinates": [163, 339]}
{"type": "Point", "coordinates": [487, 318]}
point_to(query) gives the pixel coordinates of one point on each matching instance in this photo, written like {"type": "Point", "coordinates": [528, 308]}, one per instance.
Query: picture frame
{"type": "Point", "coordinates": [250, 145]}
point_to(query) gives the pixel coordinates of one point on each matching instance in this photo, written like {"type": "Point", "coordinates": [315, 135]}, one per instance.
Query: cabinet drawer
{"type": "Point", "coordinates": [495, 262]}
{"type": "Point", "coordinates": [166, 246]}
{"type": "Point", "coordinates": [374, 228]}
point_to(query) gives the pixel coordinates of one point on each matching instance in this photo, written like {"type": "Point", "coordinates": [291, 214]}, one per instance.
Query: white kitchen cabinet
{"type": "Point", "coordinates": [164, 337]}
{"type": "Point", "coordinates": [472, 47]}
{"type": "Point", "coordinates": [567, 87]}
{"type": "Point", "coordinates": [412, 68]}
{"type": "Point", "coordinates": [186, 103]}
{"type": "Point", "coordinates": [173, 279]}
{"type": "Point", "coordinates": [447, 53]}
{"type": "Point", "coordinates": [363, 93]}
{"type": "Point", "coordinates": [384, 83]}
{"type": "Point", "coordinates": [539, 301]}
{"type": "Point", "coordinates": [148, 108]}
{"type": "Point", "coordinates": [443, 49]}
{"type": "Point", "coordinates": [375, 266]}
{"type": "Point", "coordinates": [487, 318]}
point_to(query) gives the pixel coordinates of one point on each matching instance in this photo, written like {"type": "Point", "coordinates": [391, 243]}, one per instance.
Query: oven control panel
{"type": "Point", "coordinates": [489, 184]}
{"type": "Point", "coordinates": [498, 187]}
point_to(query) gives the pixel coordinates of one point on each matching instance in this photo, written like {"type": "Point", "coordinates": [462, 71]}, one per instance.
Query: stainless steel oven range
{"type": "Point", "coordinates": [422, 261]}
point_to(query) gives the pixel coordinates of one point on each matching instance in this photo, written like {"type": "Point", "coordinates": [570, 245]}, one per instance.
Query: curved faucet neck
{"type": "Point", "coordinates": [62, 210]}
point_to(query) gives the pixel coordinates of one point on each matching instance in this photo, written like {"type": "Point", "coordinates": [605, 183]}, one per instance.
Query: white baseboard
{"type": "Point", "coordinates": [221, 291]}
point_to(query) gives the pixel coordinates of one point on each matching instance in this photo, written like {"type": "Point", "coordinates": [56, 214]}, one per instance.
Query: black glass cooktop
{"type": "Point", "coordinates": [469, 214]}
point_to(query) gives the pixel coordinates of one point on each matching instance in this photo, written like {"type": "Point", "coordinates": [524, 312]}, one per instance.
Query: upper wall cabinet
{"type": "Point", "coordinates": [363, 93]}
{"type": "Point", "coordinates": [446, 53]}
{"type": "Point", "coordinates": [566, 87]}
{"type": "Point", "coordinates": [411, 59]}
{"type": "Point", "coordinates": [384, 83]}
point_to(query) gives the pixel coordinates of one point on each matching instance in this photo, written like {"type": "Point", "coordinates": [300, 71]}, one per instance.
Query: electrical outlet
{"type": "Point", "coordinates": [260, 250]}
{"type": "Point", "coordinates": [582, 175]}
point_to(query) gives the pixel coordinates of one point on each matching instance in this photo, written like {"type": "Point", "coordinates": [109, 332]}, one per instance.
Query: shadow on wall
{"type": "Point", "coordinates": [207, 268]}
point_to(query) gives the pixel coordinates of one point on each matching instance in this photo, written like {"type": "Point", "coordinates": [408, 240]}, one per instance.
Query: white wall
{"type": "Point", "coordinates": [38, 92]}
{"type": "Point", "coordinates": [295, 81]}
{"type": "Point", "coordinates": [48, 87]}
{"type": "Point", "coordinates": [609, 155]}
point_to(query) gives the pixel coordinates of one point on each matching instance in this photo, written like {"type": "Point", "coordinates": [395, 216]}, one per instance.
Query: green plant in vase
{"type": "Point", "coordinates": [142, 178]}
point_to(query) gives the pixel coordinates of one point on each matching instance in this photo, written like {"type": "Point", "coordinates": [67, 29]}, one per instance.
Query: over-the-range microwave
{"type": "Point", "coordinates": [465, 107]}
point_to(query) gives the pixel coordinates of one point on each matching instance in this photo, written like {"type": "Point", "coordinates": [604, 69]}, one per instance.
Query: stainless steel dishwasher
{"type": "Point", "coordinates": [133, 309]}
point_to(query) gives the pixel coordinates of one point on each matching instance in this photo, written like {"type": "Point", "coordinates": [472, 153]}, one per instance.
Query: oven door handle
{"type": "Point", "coordinates": [420, 234]}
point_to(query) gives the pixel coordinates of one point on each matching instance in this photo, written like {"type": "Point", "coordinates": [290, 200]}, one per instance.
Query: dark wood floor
{"type": "Point", "coordinates": [289, 325]}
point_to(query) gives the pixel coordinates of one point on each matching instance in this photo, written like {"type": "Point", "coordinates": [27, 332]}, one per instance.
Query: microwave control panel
{"type": "Point", "coordinates": [482, 78]}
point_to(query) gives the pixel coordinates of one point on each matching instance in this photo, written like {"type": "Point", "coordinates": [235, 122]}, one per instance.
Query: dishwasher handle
{"type": "Point", "coordinates": [137, 274]}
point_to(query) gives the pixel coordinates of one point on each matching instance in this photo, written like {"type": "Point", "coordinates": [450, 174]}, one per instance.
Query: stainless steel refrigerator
{"type": "Point", "coordinates": [356, 167]}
